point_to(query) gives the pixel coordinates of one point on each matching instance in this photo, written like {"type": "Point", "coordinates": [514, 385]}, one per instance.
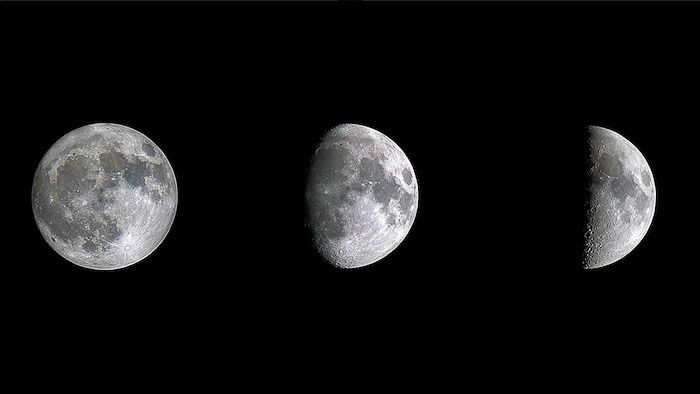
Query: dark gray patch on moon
{"type": "Point", "coordinates": [642, 202]}
{"type": "Point", "coordinates": [97, 200]}
{"type": "Point", "coordinates": [112, 162]}
{"type": "Point", "coordinates": [406, 202]}
{"type": "Point", "coordinates": [622, 186]}
{"type": "Point", "coordinates": [386, 190]}
{"type": "Point", "coordinates": [407, 176]}
{"type": "Point", "coordinates": [361, 196]}
{"type": "Point", "coordinates": [148, 148]}
{"type": "Point", "coordinates": [370, 169]}
{"type": "Point", "coordinates": [610, 165]}
{"type": "Point", "coordinates": [135, 174]}
{"type": "Point", "coordinates": [72, 178]}
{"type": "Point", "coordinates": [89, 246]}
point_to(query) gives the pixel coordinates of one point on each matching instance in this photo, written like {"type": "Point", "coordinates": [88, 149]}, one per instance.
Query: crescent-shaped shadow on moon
{"type": "Point", "coordinates": [622, 198]}
{"type": "Point", "coordinates": [361, 195]}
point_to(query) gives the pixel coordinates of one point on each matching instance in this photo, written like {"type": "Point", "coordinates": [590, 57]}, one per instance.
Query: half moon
{"type": "Point", "coordinates": [622, 198]}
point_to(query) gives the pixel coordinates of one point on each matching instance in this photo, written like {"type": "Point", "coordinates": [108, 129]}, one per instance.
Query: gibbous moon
{"type": "Point", "coordinates": [104, 196]}
{"type": "Point", "coordinates": [362, 196]}
{"type": "Point", "coordinates": [622, 198]}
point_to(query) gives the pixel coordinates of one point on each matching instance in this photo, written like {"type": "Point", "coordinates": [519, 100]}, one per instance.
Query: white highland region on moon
{"type": "Point", "coordinates": [622, 198]}
{"type": "Point", "coordinates": [362, 196]}
{"type": "Point", "coordinates": [104, 196]}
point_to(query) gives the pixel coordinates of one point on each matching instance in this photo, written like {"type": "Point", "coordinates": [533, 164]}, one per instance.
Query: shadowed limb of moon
{"type": "Point", "coordinates": [362, 196]}
{"type": "Point", "coordinates": [104, 196]}
{"type": "Point", "coordinates": [622, 198]}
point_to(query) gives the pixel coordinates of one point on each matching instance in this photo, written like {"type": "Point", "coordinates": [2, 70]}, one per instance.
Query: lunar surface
{"type": "Point", "coordinates": [622, 198]}
{"type": "Point", "coordinates": [104, 196]}
{"type": "Point", "coordinates": [362, 196]}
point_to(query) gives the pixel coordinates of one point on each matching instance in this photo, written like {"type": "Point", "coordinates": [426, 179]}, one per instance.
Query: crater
{"type": "Point", "coordinates": [148, 149]}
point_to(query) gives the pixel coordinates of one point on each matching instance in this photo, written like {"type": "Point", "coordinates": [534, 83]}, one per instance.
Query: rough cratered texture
{"type": "Point", "coordinates": [104, 196]}
{"type": "Point", "coordinates": [362, 196]}
{"type": "Point", "coordinates": [622, 198]}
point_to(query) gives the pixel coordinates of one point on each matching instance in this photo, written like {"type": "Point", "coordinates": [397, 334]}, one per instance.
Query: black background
{"type": "Point", "coordinates": [488, 100]}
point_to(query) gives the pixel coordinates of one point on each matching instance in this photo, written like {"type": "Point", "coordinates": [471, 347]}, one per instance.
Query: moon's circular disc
{"type": "Point", "coordinates": [104, 196]}
{"type": "Point", "coordinates": [622, 198]}
{"type": "Point", "coordinates": [362, 196]}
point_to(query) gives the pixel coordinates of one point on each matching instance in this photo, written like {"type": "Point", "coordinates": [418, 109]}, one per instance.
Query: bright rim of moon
{"type": "Point", "coordinates": [362, 196]}
{"type": "Point", "coordinates": [622, 198]}
{"type": "Point", "coordinates": [104, 196]}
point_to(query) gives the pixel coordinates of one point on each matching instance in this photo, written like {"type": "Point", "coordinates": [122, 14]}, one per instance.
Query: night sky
{"type": "Point", "coordinates": [489, 102]}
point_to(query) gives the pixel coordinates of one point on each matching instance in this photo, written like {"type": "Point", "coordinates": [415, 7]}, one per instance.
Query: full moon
{"type": "Point", "coordinates": [104, 196]}
{"type": "Point", "coordinates": [362, 196]}
{"type": "Point", "coordinates": [622, 198]}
